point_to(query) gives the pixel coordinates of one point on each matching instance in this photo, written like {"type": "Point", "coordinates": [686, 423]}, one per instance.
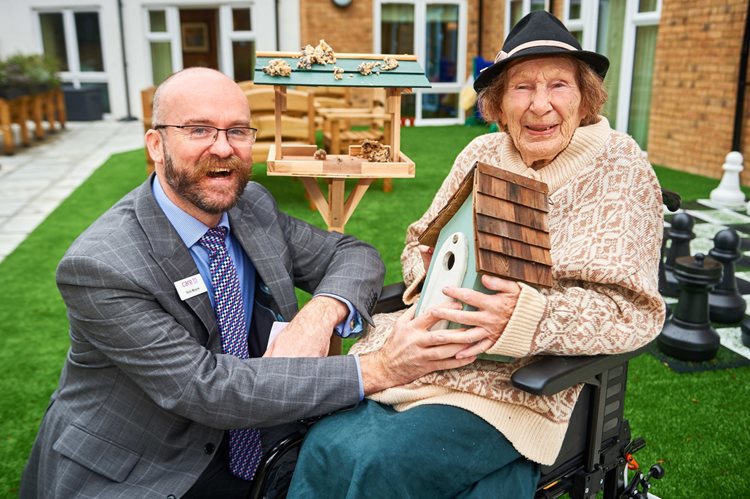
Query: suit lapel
{"type": "Point", "coordinates": [173, 257]}
{"type": "Point", "coordinates": [263, 253]}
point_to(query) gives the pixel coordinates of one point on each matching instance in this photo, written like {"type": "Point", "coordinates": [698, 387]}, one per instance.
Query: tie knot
{"type": "Point", "coordinates": [214, 239]}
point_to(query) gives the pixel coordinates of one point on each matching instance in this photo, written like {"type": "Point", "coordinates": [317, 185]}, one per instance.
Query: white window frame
{"type": "Point", "coordinates": [420, 21]}
{"type": "Point", "coordinates": [171, 35]}
{"type": "Point", "coordinates": [589, 24]}
{"type": "Point", "coordinates": [633, 20]}
{"type": "Point", "coordinates": [525, 9]}
{"type": "Point", "coordinates": [74, 74]}
{"type": "Point", "coordinates": [227, 35]}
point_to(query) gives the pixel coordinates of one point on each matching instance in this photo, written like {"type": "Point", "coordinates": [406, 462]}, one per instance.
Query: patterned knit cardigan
{"type": "Point", "coordinates": [605, 223]}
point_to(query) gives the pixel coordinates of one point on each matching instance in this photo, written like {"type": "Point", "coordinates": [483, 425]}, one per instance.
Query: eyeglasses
{"type": "Point", "coordinates": [238, 136]}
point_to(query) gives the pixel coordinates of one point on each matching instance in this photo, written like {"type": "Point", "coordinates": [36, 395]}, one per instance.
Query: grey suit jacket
{"type": "Point", "coordinates": [145, 393]}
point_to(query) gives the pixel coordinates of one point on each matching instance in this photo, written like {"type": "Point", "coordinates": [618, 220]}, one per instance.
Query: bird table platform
{"type": "Point", "coordinates": [302, 162]}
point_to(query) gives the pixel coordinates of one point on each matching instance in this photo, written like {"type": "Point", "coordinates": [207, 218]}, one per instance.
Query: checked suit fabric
{"type": "Point", "coordinates": [244, 444]}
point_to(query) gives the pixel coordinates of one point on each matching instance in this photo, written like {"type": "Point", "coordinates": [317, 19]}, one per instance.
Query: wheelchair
{"type": "Point", "coordinates": [598, 446]}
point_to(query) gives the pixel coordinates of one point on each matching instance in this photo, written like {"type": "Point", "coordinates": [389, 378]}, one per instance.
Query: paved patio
{"type": "Point", "coordinates": [37, 179]}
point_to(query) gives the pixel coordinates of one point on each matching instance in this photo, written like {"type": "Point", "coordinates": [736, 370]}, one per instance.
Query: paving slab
{"type": "Point", "coordinates": [35, 180]}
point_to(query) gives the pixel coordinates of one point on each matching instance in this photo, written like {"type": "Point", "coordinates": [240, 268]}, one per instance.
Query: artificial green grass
{"type": "Point", "coordinates": [693, 423]}
{"type": "Point", "coordinates": [34, 338]}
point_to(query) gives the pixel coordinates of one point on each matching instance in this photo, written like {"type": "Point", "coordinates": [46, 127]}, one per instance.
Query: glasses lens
{"type": "Point", "coordinates": [241, 136]}
{"type": "Point", "coordinates": [200, 133]}
{"type": "Point", "coordinates": [207, 135]}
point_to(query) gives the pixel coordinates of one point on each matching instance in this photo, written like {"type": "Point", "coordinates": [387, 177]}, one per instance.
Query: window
{"type": "Point", "coordinates": [515, 10]}
{"type": "Point", "coordinates": [435, 31]}
{"type": "Point", "coordinates": [238, 41]}
{"type": "Point", "coordinates": [624, 31]}
{"type": "Point", "coordinates": [73, 37]}
{"type": "Point", "coordinates": [164, 44]}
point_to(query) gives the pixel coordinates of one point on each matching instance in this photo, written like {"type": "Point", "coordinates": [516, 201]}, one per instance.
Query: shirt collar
{"type": "Point", "coordinates": [189, 228]}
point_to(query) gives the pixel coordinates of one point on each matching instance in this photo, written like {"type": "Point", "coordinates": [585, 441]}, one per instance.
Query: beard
{"type": "Point", "coordinates": [187, 183]}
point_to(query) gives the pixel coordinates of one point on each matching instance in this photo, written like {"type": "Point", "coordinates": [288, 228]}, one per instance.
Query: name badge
{"type": "Point", "coordinates": [190, 286]}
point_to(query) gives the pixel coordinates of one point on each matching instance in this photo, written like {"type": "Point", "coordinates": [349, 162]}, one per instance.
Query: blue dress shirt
{"type": "Point", "coordinates": [191, 230]}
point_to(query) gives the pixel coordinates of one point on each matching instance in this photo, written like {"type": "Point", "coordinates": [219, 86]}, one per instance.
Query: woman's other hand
{"type": "Point", "coordinates": [493, 311]}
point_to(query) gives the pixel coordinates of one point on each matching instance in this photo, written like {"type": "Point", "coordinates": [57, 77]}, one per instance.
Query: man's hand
{"type": "Point", "coordinates": [492, 311]}
{"type": "Point", "coordinates": [413, 351]}
{"type": "Point", "coordinates": [309, 333]}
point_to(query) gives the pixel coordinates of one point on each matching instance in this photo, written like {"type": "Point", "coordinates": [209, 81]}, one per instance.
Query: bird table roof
{"type": "Point", "coordinates": [408, 74]}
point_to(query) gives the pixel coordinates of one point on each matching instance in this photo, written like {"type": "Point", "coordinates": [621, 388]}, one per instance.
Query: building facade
{"type": "Point", "coordinates": [120, 47]}
{"type": "Point", "coordinates": [672, 82]}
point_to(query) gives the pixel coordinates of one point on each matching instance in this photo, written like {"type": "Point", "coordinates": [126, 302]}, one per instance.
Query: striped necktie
{"type": "Point", "coordinates": [244, 444]}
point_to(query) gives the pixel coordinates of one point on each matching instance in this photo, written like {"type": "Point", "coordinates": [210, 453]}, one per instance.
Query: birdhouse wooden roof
{"type": "Point", "coordinates": [408, 74]}
{"type": "Point", "coordinates": [511, 235]}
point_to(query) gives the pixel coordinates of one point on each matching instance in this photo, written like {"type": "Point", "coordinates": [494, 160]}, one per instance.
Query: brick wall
{"type": "Point", "coordinates": [493, 34]}
{"type": "Point", "coordinates": [346, 30]}
{"type": "Point", "coordinates": [695, 86]}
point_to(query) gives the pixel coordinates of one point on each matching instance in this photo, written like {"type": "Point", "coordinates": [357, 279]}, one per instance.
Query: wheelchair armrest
{"type": "Point", "coordinates": [551, 373]}
{"type": "Point", "coordinates": [390, 298]}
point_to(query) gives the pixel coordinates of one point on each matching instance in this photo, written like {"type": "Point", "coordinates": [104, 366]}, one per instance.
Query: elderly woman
{"type": "Point", "coordinates": [467, 432]}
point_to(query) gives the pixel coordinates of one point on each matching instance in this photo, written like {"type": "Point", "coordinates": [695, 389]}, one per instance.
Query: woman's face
{"type": "Point", "coordinates": [541, 107]}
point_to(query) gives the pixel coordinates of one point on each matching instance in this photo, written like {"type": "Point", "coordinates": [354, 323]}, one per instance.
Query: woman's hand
{"type": "Point", "coordinates": [492, 312]}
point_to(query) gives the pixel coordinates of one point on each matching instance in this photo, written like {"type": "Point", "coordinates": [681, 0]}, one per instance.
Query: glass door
{"type": "Point", "coordinates": [435, 31]}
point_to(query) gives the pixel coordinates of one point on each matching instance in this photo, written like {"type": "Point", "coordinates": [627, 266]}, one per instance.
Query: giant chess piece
{"type": "Point", "coordinates": [680, 233]}
{"type": "Point", "coordinates": [688, 335]}
{"type": "Point", "coordinates": [725, 303]}
{"type": "Point", "coordinates": [728, 194]}
{"type": "Point", "coordinates": [745, 330]}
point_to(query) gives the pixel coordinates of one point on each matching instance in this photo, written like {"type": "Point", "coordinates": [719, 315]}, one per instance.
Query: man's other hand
{"type": "Point", "coordinates": [309, 333]}
{"type": "Point", "coordinates": [413, 351]}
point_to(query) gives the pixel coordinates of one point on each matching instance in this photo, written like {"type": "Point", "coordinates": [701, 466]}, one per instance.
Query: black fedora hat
{"type": "Point", "coordinates": [539, 34]}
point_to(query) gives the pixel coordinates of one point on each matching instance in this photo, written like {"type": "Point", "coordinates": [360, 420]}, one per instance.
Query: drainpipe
{"type": "Point", "coordinates": [741, 84]}
{"type": "Point", "coordinates": [480, 25]}
{"type": "Point", "coordinates": [276, 20]}
{"type": "Point", "coordinates": [129, 116]}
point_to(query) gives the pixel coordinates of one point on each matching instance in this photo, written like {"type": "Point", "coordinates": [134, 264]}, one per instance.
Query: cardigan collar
{"type": "Point", "coordinates": [586, 144]}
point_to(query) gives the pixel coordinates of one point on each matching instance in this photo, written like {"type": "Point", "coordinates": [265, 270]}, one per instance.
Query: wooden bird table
{"type": "Point", "coordinates": [299, 161]}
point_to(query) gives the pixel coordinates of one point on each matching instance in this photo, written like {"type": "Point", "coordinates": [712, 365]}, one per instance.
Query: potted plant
{"type": "Point", "coordinates": [27, 74]}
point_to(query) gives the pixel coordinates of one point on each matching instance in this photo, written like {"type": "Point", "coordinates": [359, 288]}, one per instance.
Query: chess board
{"type": "Point", "coordinates": [710, 219]}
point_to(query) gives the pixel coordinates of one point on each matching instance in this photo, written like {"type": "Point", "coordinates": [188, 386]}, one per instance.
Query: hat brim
{"type": "Point", "coordinates": [597, 62]}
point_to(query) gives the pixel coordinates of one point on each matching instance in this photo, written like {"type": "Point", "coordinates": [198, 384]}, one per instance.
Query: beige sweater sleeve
{"type": "Point", "coordinates": [606, 250]}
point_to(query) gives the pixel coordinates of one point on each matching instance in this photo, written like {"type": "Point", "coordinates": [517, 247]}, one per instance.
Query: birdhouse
{"type": "Point", "coordinates": [495, 224]}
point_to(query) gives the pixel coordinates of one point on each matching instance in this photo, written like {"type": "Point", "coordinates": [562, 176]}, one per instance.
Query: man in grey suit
{"type": "Point", "coordinates": [147, 395]}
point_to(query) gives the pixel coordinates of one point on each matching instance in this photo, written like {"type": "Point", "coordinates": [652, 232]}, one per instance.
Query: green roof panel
{"type": "Point", "coordinates": [408, 74]}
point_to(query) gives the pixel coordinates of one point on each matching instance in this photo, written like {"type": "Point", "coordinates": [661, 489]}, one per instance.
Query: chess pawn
{"type": "Point", "coordinates": [680, 233]}
{"type": "Point", "coordinates": [688, 334]}
{"type": "Point", "coordinates": [745, 330]}
{"type": "Point", "coordinates": [725, 301]}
